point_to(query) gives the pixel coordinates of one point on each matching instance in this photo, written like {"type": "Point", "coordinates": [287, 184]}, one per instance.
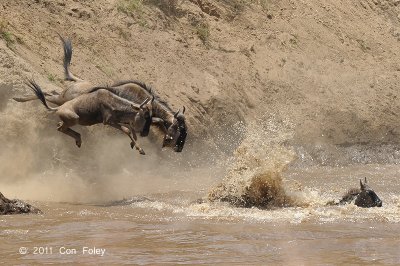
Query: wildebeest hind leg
{"type": "Point", "coordinates": [68, 131]}
{"type": "Point", "coordinates": [27, 98]}
{"type": "Point", "coordinates": [56, 99]}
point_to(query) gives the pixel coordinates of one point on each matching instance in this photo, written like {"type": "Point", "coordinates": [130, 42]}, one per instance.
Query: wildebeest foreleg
{"type": "Point", "coordinates": [131, 134]}
{"type": "Point", "coordinates": [68, 131]}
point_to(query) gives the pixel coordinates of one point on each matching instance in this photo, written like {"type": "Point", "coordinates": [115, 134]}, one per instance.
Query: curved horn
{"type": "Point", "coordinates": [144, 102]}
{"type": "Point", "coordinates": [152, 99]}
{"type": "Point", "coordinates": [183, 110]}
{"type": "Point", "coordinates": [365, 180]}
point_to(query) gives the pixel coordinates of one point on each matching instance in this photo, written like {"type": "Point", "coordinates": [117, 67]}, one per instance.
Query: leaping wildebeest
{"type": "Point", "coordinates": [171, 123]}
{"type": "Point", "coordinates": [100, 106]}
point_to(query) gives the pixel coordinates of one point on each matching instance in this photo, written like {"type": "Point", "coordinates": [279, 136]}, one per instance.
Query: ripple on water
{"type": "Point", "coordinates": [10, 232]}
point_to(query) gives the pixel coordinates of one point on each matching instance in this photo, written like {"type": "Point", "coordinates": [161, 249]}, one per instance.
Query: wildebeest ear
{"type": "Point", "coordinates": [176, 114]}
{"type": "Point", "coordinates": [135, 106]}
{"type": "Point", "coordinates": [365, 180]}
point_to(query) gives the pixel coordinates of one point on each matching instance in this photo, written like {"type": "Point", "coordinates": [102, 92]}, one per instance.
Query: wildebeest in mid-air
{"type": "Point", "coordinates": [171, 123]}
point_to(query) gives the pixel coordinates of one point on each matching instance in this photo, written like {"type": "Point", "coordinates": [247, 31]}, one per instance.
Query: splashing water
{"type": "Point", "coordinates": [255, 176]}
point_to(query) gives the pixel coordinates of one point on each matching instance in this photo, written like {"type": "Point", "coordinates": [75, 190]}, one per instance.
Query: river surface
{"type": "Point", "coordinates": [169, 228]}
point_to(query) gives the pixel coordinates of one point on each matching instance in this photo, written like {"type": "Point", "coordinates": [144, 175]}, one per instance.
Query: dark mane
{"type": "Point", "coordinates": [137, 82]}
{"type": "Point", "coordinates": [98, 88]}
{"type": "Point", "coordinates": [148, 88]}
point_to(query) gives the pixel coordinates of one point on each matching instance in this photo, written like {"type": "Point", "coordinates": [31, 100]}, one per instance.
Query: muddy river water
{"type": "Point", "coordinates": [169, 228]}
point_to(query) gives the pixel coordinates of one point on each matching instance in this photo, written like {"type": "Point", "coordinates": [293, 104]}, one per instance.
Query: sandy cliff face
{"type": "Point", "coordinates": [330, 67]}
{"type": "Point", "coordinates": [327, 72]}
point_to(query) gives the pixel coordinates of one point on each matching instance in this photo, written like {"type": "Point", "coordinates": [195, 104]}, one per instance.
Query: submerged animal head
{"type": "Point", "coordinates": [176, 132]}
{"type": "Point", "coordinates": [144, 117]}
{"type": "Point", "coordinates": [367, 197]}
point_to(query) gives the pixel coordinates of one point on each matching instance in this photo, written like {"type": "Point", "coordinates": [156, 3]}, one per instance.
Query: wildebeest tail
{"type": "Point", "coordinates": [67, 45]}
{"type": "Point", "coordinates": [39, 93]}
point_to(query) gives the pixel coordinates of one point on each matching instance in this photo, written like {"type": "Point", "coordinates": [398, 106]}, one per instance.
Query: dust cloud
{"type": "Point", "coordinates": [39, 163]}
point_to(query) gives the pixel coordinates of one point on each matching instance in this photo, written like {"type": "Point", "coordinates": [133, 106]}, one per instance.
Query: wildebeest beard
{"type": "Point", "coordinates": [146, 127]}
{"type": "Point", "coordinates": [180, 142]}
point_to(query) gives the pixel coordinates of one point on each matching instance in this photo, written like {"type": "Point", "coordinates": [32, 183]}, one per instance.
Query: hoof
{"type": "Point", "coordinates": [132, 145]}
{"type": "Point", "coordinates": [141, 151]}
{"type": "Point", "coordinates": [78, 143]}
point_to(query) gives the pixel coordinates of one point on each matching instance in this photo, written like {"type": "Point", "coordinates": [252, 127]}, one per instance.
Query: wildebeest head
{"type": "Point", "coordinates": [144, 117]}
{"type": "Point", "coordinates": [176, 132]}
{"type": "Point", "coordinates": [367, 197]}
